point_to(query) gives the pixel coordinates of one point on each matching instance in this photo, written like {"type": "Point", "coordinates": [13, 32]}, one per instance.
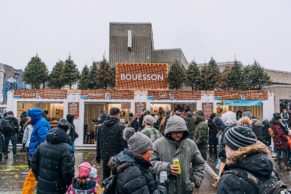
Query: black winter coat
{"type": "Point", "coordinates": [137, 177]}
{"type": "Point", "coordinates": [212, 132]}
{"type": "Point", "coordinates": [109, 139]}
{"type": "Point", "coordinates": [258, 164]}
{"type": "Point", "coordinates": [53, 163]}
{"type": "Point", "coordinates": [72, 133]}
{"type": "Point", "coordinates": [219, 123]}
{"type": "Point", "coordinates": [12, 122]}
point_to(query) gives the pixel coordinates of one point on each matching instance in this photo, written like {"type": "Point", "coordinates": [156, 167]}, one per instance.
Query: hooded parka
{"type": "Point", "coordinates": [201, 134]}
{"type": "Point", "coordinates": [190, 122]}
{"type": "Point", "coordinates": [166, 149]}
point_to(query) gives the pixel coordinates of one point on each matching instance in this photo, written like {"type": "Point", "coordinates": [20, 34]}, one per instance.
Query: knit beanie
{"type": "Point", "coordinates": [84, 170]}
{"type": "Point", "coordinates": [148, 119]}
{"type": "Point", "coordinates": [248, 113]}
{"type": "Point", "coordinates": [239, 136]}
{"type": "Point", "coordinates": [137, 141]}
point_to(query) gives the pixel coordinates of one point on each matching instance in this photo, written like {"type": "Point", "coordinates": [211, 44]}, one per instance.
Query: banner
{"type": "Point", "coordinates": [73, 108]}
{"type": "Point", "coordinates": [141, 76]}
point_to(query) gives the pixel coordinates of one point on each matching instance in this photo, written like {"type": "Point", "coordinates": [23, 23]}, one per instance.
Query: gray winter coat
{"type": "Point", "coordinates": [186, 151]}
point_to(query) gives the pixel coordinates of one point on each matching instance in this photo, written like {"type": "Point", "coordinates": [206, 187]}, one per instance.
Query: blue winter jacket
{"type": "Point", "coordinates": [41, 128]}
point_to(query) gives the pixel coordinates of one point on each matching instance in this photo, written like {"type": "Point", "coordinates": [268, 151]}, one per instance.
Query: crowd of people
{"type": "Point", "coordinates": [241, 143]}
{"type": "Point", "coordinates": [154, 154]}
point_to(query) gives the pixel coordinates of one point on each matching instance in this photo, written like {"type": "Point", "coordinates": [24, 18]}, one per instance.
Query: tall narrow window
{"type": "Point", "coordinates": [129, 40]}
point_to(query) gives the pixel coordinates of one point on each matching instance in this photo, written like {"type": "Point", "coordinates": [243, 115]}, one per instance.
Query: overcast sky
{"type": "Point", "coordinates": [223, 29]}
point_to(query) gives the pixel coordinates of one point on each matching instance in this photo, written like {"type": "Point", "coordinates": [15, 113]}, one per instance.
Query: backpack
{"type": "Point", "coordinates": [8, 127]}
{"type": "Point", "coordinates": [271, 185]}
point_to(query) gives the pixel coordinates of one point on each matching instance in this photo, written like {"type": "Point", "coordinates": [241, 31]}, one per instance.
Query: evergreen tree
{"type": "Point", "coordinates": [84, 80]}
{"type": "Point", "coordinates": [56, 76]}
{"type": "Point", "coordinates": [93, 76]}
{"type": "Point", "coordinates": [235, 77]}
{"type": "Point", "coordinates": [71, 73]}
{"type": "Point", "coordinates": [204, 74]}
{"type": "Point", "coordinates": [176, 76]}
{"type": "Point", "coordinates": [257, 77]}
{"type": "Point", "coordinates": [105, 75]}
{"type": "Point", "coordinates": [35, 73]}
{"type": "Point", "coordinates": [210, 75]}
{"type": "Point", "coordinates": [246, 83]}
{"type": "Point", "coordinates": [193, 76]}
{"type": "Point", "coordinates": [223, 82]}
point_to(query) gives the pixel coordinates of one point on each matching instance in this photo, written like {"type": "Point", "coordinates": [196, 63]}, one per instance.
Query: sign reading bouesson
{"type": "Point", "coordinates": [141, 76]}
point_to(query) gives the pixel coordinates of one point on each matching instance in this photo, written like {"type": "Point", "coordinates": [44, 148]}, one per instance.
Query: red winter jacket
{"type": "Point", "coordinates": [280, 139]}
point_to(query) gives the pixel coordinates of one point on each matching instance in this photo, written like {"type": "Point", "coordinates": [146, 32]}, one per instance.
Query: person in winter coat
{"type": "Point", "coordinates": [244, 154]}
{"type": "Point", "coordinates": [164, 121]}
{"type": "Point", "coordinates": [175, 144]}
{"type": "Point", "coordinates": [133, 122]}
{"type": "Point", "coordinates": [267, 137]}
{"type": "Point", "coordinates": [144, 113]}
{"type": "Point", "coordinates": [26, 138]}
{"type": "Point", "coordinates": [257, 128]}
{"type": "Point", "coordinates": [40, 129]}
{"type": "Point", "coordinates": [229, 121]}
{"type": "Point", "coordinates": [83, 183]}
{"type": "Point", "coordinates": [190, 122]}
{"type": "Point", "coordinates": [201, 133]}
{"type": "Point", "coordinates": [53, 162]}
{"type": "Point", "coordinates": [132, 166]}
{"type": "Point", "coordinates": [149, 130]}
{"type": "Point", "coordinates": [212, 134]}
{"type": "Point", "coordinates": [72, 130]}
{"type": "Point", "coordinates": [279, 136]}
{"type": "Point", "coordinates": [109, 140]}
{"type": "Point", "coordinates": [10, 129]}
{"type": "Point", "coordinates": [102, 118]}
{"type": "Point", "coordinates": [22, 122]}
{"type": "Point", "coordinates": [238, 115]}
{"type": "Point", "coordinates": [285, 116]}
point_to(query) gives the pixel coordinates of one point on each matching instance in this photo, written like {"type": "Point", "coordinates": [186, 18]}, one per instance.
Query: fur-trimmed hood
{"type": "Point", "coordinates": [254, 158]}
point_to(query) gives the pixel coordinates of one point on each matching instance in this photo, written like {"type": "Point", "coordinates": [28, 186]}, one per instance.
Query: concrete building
{"type": "Point", "coordinates": [134, 43]}
{"type": "Point", "coordinates": [10, 79]}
